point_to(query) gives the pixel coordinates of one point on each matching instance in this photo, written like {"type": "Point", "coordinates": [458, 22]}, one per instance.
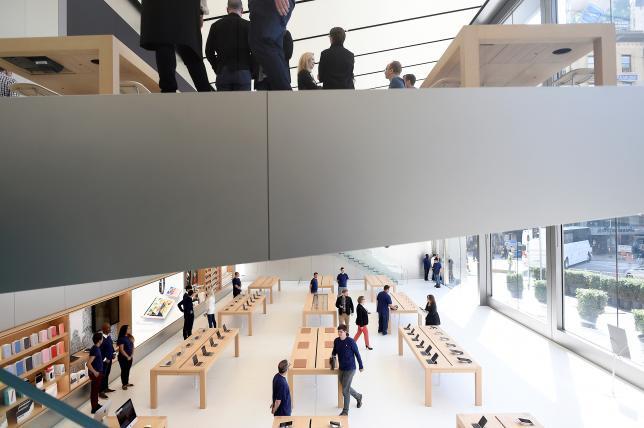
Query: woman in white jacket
{"type": "Point", "coordinates": [211, 310]}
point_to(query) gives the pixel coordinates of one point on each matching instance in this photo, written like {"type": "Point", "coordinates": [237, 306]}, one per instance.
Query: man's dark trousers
{"type": "Point", "coordinates": [107, 369]}
{"type": "Point", "coordinates": [383, 322]}
{"type": "Point", "coordinates": [266, 39]}
{"type": "Point", "coordinates": [188, 321]}
{"type": "Point", "coordinates": [233, 80]}
{"type": "Point", "coordinates": [167, 66]}
{"type": "Point", "coordinates": [426, 274]}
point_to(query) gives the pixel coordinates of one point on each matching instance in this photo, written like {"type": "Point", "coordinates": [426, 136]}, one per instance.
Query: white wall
{"type": "Point", "coordinates": [32, 18]}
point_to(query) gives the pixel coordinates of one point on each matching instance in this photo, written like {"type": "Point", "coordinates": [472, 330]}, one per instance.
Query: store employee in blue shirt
{"type": "Point", "coordinates": [107, 351]}
{"type": "Point", "coordinates": [281, 405]}
{"type": "Point", "coordinates": [347, 351]}
{"type": "Point", "coordinates": [384, 304]}
{"type": "Point", "coordinates": [95, 368]}
{"type": "Point", "coordinates": [343, 278]}
{"type": "Point", "coordinates": [237, 287]}
{"type": "Point", "coordinates": [314, 283]}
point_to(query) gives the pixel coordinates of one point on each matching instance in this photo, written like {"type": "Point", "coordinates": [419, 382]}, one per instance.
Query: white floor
{"type": "Point", "coordinates": [522, 371]}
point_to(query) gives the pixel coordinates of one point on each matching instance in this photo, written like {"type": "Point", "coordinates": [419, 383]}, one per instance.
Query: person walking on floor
{"type": "Point", "coordinates": [228, 51]}
{"type": "Point", "coordinates": [392, 73]}
{"type": "Point", "coordinates": [383, 307]}
{"type": "Point", "coordinates": [427, 264]}
{"type": "Point", "coordinates": [305, 80]}
{"type": "Point", "coordinates": [95, 368]}
{"type": "Point", "coordinates": [434, 260]}
{"type": "Point", "coordinates": [268, 21]}
{"type": "Point", "coordinates": [362, 320]}
{"type": "Point", "coordinates": [335, 70]}
{"type": "Point", "coordinates": [125, 355]}
{"type": "Point", "coordinates": [185, 306]}
{"type": "Point", "coordinates": [347, 351]}
{"type": "Point", "coordinates": [313, 285]}
{"type": "Point", "coordinates": [343, 280]}
{"type": "Point", "coordinates": [210, 314]}
{"type": "Point", "coordinates": [432, 317]}
{"type": "Point", "coordinates": [281, 403]}
{"type": "Point", "coordinates": [169, 27]}
{"type": "Point", "coordinates": [237, 285]}
{"type": "Point", "coordinates": [437, 268]}
{"type": "Point", "coordinates": [107, 351]}
{"type": "Point", "coordinates": [345, 307]}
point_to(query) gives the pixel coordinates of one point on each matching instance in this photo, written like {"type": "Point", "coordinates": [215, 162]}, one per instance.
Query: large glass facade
{"type": "Point", "coordinates": [604, 280]}
{"type": "Point", "coordinates": [519, 272]}
{"type": "Point", "coordinates": [628, 17]}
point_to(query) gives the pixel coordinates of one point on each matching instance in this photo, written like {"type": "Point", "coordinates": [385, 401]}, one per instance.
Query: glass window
{"type": "Point", "coordinates": [527, 12]}
{"type": "Point", "coordinates": [590, 61]}
{"type": "Point", "coordinates": [626, 64]}
{"type": "Point", "coordinates": [519, 270]}
{"type": "Point", "coordinates": [604, 280]}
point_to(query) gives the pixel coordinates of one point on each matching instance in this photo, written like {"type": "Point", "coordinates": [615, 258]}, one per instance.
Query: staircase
{"type": "Point", "coordinates": [368, 261]}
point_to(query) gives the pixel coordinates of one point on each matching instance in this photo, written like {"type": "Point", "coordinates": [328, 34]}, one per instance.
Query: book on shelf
{"type": "Point", "coordinates": [26, 342]}
{"type": "Point", "coordinates": [42, 336]}
{"type": "Point", "coordinates": [24, 410]}
{"type": "Point", "coordinates": [46, 355]}
{"type": "Point", "coordinates": [29, 363]}
{"type": "Point", "coordinates": [8, 396]}
{"type": "Point", "coordinates": [34, 339]}
{"type": "Point", "coordinates": [37, 359]}
{"type": "Point", "coordinates": [61, 329]}
{"type": "Point", "coordinates": [51, 332]}
{"type": "Point", "coordinates": [11, 368]}
{"type": "Point", "coordinates": [6, 351]}
{"type": "Point", "coordinates": [61, 347]}
{"type": "Point", "coordinates": [53, 350]}
{"type": "Point", "coordinates": [59, 369]}
{"type": "Point", "coordinates": [20, 367]}
{"type": "Point", "coordinates": [49, 373]}
{"type": "Point", "coordinates": [16, 346]}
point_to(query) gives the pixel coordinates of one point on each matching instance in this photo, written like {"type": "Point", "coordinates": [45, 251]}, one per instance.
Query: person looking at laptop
{"type": "Point", "coordinates": [281, 404]}
{"type": "Point", "coordinates": [237, 286]}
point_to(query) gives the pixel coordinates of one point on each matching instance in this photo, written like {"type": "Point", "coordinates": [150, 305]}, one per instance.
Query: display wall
{"type": "Point", "coordinates": [153, 311]}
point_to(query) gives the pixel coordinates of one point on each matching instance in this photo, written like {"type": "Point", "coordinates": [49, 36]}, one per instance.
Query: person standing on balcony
{"type": "Point", "coordinates": [410, 81]}
{"type": "Point", "coordinates": [305, 80]}
{"type": "Point", "coordinates": [228, 51]}
{"type": "Point", "coordinates": [268, 20]}
{"type": "Point", "coordinates": [169, 27]}
{"type": "Point", "coordinates": [392, 73]}
{"type": "Point", "coordinates": [335, 69]}
{"type": "Point", "coordinates": [343, 280]}
{"type": "Point", "coordinates": [95, 369]}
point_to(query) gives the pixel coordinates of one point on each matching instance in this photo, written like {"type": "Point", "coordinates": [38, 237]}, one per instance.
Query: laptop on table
{"type": "Point", "coordinates": [126, 415]}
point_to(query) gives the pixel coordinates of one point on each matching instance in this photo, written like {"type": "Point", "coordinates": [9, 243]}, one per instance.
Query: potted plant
{"type": "Point", "coordinates": [514, 283]}
{"type": "Point", "coordinates": [638, 314]}
{"type": "Point", "coordinates": [590, 303]}
{"type": "Point", "coordinates": [540, 292]}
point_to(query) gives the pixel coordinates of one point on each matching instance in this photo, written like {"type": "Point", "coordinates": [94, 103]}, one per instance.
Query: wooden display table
{"type": "Point", "coordinates": [183, 365]}
{"type": "Point", "coordinates": [446, 363]}
{"type": "Point", "coordinates": [115, 62]}
{"type": "Point", "coordinates": [378, 281]}
{"type": "Point", "coordinates": [405, 306]}
{"type": "Point", "coordinates": [311, 353]}
{"type": "Point", "coordinates": [522, 55]}
{"type": "Point", "coordinates": [264, 283]}
{"type": "Point", "coordinates": [141, 421]}
{"type": "Point", "coordinates": [243, 305]}
{"type": "Point", "coordinates": [320, 304]}
{"type": "Point", "coordinates": [311, 421]}
{"type": "Point", "coordinates": [498, 420]}
{"type": "Point", "coordinates": [325, 281]}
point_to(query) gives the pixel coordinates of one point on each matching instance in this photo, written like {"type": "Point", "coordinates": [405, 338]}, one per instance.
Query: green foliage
{"type": "Point", "coordinates": [638, 314]}
{"type": "Point", "coordinates": [540, 292]}
{"type": "Point", "coordinates": [590, 303]}
{"type": "Point", "coordinates": [514, 283]}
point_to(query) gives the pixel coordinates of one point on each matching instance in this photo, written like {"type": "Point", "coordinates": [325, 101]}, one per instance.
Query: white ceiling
{"type": "Point", "coordinates": [316, 17]}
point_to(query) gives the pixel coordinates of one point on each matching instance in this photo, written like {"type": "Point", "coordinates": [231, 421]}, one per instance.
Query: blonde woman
{"type": "Point", "coordinates": [304, 78]}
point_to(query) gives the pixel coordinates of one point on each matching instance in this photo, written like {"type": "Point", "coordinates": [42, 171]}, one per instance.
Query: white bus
{"type": "Point", "coordinates": [576, 249]}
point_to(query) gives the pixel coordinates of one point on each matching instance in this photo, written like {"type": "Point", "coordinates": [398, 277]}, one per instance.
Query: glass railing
{"type": "Point", "coordinates": [23, 401]}
{"type": "Point", "coordinates": [376, 262]}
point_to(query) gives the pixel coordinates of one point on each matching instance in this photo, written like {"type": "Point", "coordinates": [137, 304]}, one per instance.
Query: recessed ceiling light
{"type": "Point", "coordinates": [561, 51]}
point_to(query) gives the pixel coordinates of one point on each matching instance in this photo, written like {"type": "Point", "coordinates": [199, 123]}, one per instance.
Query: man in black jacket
{"type": "Point", "coordinates": [345, 307]}
{"type": "Point", "coordinates": [336, 63]}
{"type": "Point", "coordinates": [185, 306]}
{"type": "Point", "coordinates": [228, 51]}
{"type": "Point", "coordinates": [168, 26]}
{"type": "Point", "coordinates": [268, 20]}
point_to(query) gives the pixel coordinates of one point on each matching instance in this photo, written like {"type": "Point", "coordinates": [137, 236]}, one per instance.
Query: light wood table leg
{"type": "Point", "coordinates": [109, 78]}
{"type": "Point", "coordinates": [428, 388]}
{"type": "Point", "coordinates": [271, 294]}
{"type": "Point", "coordinates": [291, 387]}
{"type": "Point", "coordinates": [265, 301]}
{"type": "Point", "coordinates": [400, 344]}
{"type": "Point", "coordinates": [478, 388]}
{"type": "Point", "coordinates": [372, 294]}
{"type": "Point", "coordinates": [279, 285]}
{"type": "Point", "coordinates": [340, 396]}
{"type": "Point", "coordinates": [250, 323]}
{"type": "Point", "coordinates": [202, 390]}
{"type": "Point", "coordinates": [335, 319]}
{"type": "Point", "coordinates": [219, 317]}
{"type": "Point", "coordinates": [237, 345]}
{"type": "Point", "coordinates": [389, 324]}
{"type": "Point", "coordinates": [154, 399]}
{"type": "Point", "coordinates": [365, 284]}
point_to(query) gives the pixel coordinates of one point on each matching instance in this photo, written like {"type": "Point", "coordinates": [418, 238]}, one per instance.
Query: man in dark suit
{"type": "Point", "coordinates": [168, 26]}
{"type": "Point", "coordinates": [268, 20]}
{"type": "Point", "coordinates": [228, 51]}
{"type": "Point", "coordinates": [336, 63]}
{"type": "Point", "coordinates": [185, 306]}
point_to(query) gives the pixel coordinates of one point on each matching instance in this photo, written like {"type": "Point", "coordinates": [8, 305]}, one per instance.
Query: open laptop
{"type": "Point", "coordinates": [196, 361]}
{"type": "Point", "coordinates": [126, 415]}
{"type": "Point", "coordinates": [206, 353]}
{"type": "Point", "coordinates": [219, 336]}
{"type": "Point", "coordinates": [427, 351]}
{"type": "Point", "coordinates": [225, 329]}
{"type": "Point", "coordinates": [421, 345]}
{"type": "Point", "coordinates": [212, 343]}
{"type": "Point", "coordinates": [411, 333]}
{"type": "Point", "coordinates": [481, 423]}
{"type": "Point", "coordinates": [415, 339]}
{"type": "Point", "coordinates": [433, 359]}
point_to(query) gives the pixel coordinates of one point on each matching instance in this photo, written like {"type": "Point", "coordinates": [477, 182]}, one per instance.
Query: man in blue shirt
{"type": "Point", "coordinates": [107, 352]}
{"type": "Point", "coordinates": [313, 286]}
{"type": "Point", "coordinates": [437, 269]}
{"type": "Point", "coordinates": [95, 368]}
{"type": "Point", "coordinates": [342, 278]}
{"type": "Point", "coordinates": [281, 405]}
{"type": "Point", "coordinates": [427, 264]}
{"type": "Point", "coordinates": [384, 304]}
{"type": "Point", "coordinates": [185, 306]}
{"type": "Point", "coordinates": [347, 351]}
{"type": "Point", "coordinates": [237, 287]}
{"type": "Point", "coordinates": [392, 73]}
